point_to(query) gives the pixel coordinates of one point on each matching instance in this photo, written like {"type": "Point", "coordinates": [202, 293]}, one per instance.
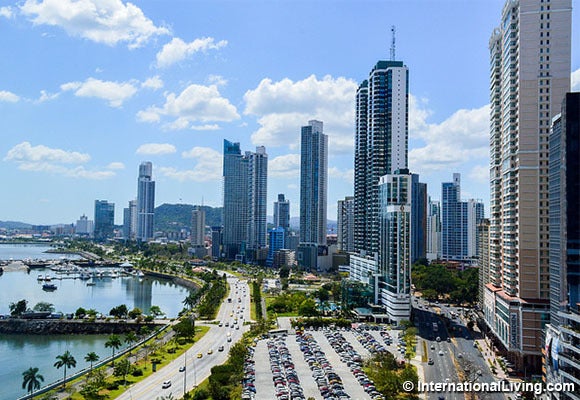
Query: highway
{"type": "Point", "coordinates": [198, 368]}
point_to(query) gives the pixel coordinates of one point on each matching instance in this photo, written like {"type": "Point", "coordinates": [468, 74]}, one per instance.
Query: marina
{"type": "Point", "coordinates": [106, 288]}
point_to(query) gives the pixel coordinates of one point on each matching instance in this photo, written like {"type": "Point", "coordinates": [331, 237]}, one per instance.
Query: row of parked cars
{"type": "Point", "coordinates": [286, 382]}
{"type": "Point", "coordinates": [329, 383]}
{"type": "Point", "coordinates": [248, 386]}
{"type": "Point", "coordinates": [353, 360]}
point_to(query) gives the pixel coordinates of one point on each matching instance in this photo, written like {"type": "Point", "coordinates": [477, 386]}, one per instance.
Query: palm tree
{"type": "Point", "coordinates": [113, 342]}
{"type": "Point", "coordinates": [190, 301]}
{"type": "Point", "coordinates": [92, 357]}
{"type": "Point", "coordinates": [65, 360]}
{"type": "Point", "coordinates": [130, 338]}
{"type": "Point", "coordinates": [31, 380]}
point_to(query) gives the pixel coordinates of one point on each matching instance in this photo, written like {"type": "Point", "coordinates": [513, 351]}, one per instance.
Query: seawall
{"type": "Point", "coordinates": [55, 327]}
{"type": "Point", "coordinates": [176, 279]}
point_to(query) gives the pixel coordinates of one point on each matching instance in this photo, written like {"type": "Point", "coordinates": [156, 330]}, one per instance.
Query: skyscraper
{"type": "Point", "coordinates": [313, 193]}
{"type": "Point", "coordinates": [245, 195]}
{"type": "Point", "coordinates": [459, 220]}
{"type": "Point", "coordinates": [345, 224]}
{"type": "Point", "coordinates": [104, 219]}
{"type": "Point", "coordinates": [235, 178]}
{"type": "Point", "coordinates": [145, 202]}
{"type": "Point", "coordinates": [282, 213]}
{"type": "Point", "coordinates": [257, 203]}
{"type": "Point", "coordinates": [433, 230]}
{"type": "Point", "coordinates": [530, 56]}
{"type": "Point", "coordinates": [130, 220]}
{"type": "Point", "coordinates": [276, 243]}
{"type": "Point", "coordinates": [563, 334]}
{"type": "Point", "coordinates": [198, 227]}
{"type": "Point", "coordinates": [84, 226]}
{"type": "Point", "coordinates": [381, 144]}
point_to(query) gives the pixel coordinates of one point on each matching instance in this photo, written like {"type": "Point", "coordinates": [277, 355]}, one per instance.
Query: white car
{"type": "Point", "coordinates": [166, 384]}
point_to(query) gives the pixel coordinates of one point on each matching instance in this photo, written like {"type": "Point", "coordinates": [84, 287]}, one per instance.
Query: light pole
{"type": "Point", "coordinates": [185, 374]}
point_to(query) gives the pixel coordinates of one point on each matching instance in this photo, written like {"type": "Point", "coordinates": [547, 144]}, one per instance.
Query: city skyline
{"type": "Point", "coordinates": [168, 84]}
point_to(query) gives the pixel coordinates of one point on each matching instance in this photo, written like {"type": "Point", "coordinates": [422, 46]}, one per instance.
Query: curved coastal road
{"type": "Point", "coordinates": [198, 369]}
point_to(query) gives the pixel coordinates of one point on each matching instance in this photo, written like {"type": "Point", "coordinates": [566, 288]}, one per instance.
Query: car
{"type": "Point", "coordinates": [430, 362]}
{"type": "Point", "coordinates": [182, 368]}
{"type": "Point", "coordinates": [166, 384]}
{"type": "Point", "coordinates": [438, 339]}
{"type": "Point", "coordinates": [220, 324]}
{"type": "Point", "coordinates": [221, 348]}
{"type": "Point", "coordinates": [432, 347]}
{"type": "Point", "coordinates": [229, 338]}
{"type": "Point", "coordinates": [210, 351]}
{"type": "Point", "coordinates": [459, 355]}
{"type": "Point", "coordinates": [448, 340]}
{"type": "Point", "coordinates": [441, 352]}
{"type": "Point", "coordinates": [199, 355]}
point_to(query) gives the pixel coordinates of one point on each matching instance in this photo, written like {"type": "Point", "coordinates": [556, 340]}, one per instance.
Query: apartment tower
{"type": "Point", "coordinates": [145, 202]}
{"type": "Point", "coordinates": [313, 193]}
{"type": "Point", "coordinates": [530, 56]}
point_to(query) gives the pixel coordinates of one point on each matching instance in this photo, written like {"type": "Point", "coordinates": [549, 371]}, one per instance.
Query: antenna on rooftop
{"type": "Point", "coordinates": [393, 43]}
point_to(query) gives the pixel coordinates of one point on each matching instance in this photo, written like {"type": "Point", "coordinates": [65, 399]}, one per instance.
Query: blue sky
{"type": "Point", "coordinates": [91, 88]}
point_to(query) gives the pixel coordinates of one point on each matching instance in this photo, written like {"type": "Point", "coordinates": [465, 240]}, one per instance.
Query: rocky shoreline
{"type": "Point", "coordinates": [13, 326]}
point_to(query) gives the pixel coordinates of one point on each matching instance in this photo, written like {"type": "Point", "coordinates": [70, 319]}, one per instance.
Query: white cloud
{"type": "Point", "coordinates": [102, 21]}
{"type": "Point", "coordinates": [25, 152]}
{"type": "Point", "coordinates": [461, 138]}
{"type": "Point", "coordinates": [55, 161]}
{"type": "Point", "coordinates": [8, 97]}
{"type": "Point", "coordinates": [6, 12]}
{"type": "Point", "coordinates": [116, 165]}
{"type": "Point", "coordinates": [575, 78]}
{"type": "Point", "coordinates": [480, 174]}
{"type": "Point", "coordinates": [347, 175]}
{"type": "Point", "coordinates": [217, 80]}
{"type": "Point", "coordinates": [178, 50]}
{"type": "Point", "coordinates": [154, 83]}
{"type": "Point", "coordinates": [205, 127]}
{"type": "Point", "coordinates": [46, 96]}
{"type": "Point", "coordinates": [283, 107]}
{"type": "Point", "coordinates": [156, 149]}
{"type": "Point", "coordinates": [286, 166]}
{"type": "Point", "coordinates": [114, 92]}
{"type": "Point", "coordinates": [195, 103]}
{"type": "Point", "coordinates": [208, 166]}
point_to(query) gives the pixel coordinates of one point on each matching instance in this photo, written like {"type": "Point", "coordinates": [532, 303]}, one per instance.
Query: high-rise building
{"type": "Point", "coordinates": [399, 219]}
{"type": "Point", "coordinates": [257, 202]}
{"type": "Point", "coordinates": [563, 333]}
{"type": "Point", "coordinates": [530, 55]}
{"type": "Point", "coordinates": [198, 227]}
{"type": "Point", "coordinates": [104, 219]}
{"type": "Point", "coordinates": [345, 224]}
{"type": "Point", "coordinates": [84, 226]}
{"type": "Point", "coordinates": [313, 194]}
{"type": "Point", "coordinates": [381, 144]}
{"type": "Point", "coordinates": [145, 202]}
{"type": "Point", "coordinates": [130, 220]}
{"type": "Point", "coordinates": [245, 195]}
{"type": "Point", "coordinates": [276, 243]}
{"type": "Point", "coordinates": [216, 242]}
{"type": "Point", "coordinates": [282, 213]}
{"type": "Point", "coordinates": [459, 221]}
{"type": "Point", "coordinates": [433, 230]}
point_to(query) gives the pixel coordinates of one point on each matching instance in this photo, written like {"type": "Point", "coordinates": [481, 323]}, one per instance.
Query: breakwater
{"type": "Point", "coordinates": [67, 327]}
{"type": "Point", "coordinates": [175, 279]}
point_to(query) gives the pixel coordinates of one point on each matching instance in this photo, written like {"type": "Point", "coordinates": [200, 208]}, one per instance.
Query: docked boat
{"type": "Point", "coordinates": [91, 283]}
{"type": "Point", "coordinates": [84, 276]}
{"type": "Point", "coordinates": [49, 287]}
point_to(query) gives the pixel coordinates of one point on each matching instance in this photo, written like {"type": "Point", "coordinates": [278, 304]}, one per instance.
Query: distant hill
{"type": "Point", "coordinates": [14, 225]}
{"type": "Point", "coordinates": [174, 217]}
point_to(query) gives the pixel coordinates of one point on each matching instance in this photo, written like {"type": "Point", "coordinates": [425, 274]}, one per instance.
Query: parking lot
{"type": "Point", "coordinates": [318, 363]}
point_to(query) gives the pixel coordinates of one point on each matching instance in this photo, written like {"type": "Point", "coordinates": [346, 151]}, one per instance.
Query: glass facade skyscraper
{"type": "Point", "coordinates": [104, 219]}
{"type": "Point", "coordinates": [145, 202]}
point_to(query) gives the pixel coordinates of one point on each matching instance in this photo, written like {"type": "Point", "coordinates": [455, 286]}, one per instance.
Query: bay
{"type": "Point", "coordinates": [20, 352]}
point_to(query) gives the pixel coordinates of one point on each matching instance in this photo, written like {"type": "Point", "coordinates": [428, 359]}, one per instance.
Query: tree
{"type": "Point", "coordinates": [65, 360]}
{"type": "Point", "coordinates": [308, 308]}
{"type": "Point", "coordinates": [155, 311]}
{"type": "Point", "coordinates": [284, 272]}
{"type": "Point", "coordinates": [43, 306]}
{"type": "Point", "coordinates": [190, 300]}
{"type": "Point", "coordinates": [18, 308]}
{"type": "Point", "coordinates": [80, 312]}
{"type": "Point", "coordinates": [114, 342]}
{"type": "Point", "coordinates": [92, 357]}
{"type": "Point", "coordinates": [131, 338]}
{"type": "Point", "coordinates": [119, 311]}
{"type": "Point", "coordinates": [134, 313]}
{"type": "Point", "coordinates": [31, 380]}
